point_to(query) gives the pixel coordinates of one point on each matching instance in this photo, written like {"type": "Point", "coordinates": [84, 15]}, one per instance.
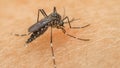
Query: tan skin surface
{"type": "Point", "coordinates": [102, 51]}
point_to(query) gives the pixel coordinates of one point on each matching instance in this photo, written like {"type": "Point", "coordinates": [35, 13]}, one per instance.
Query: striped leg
{"type": "Point", "coordinates": [71, 21]}
{"type": "Point", "coordinates": [52, 50]}
{"type": "Point", "coordinates": [21, 34]}
{"type": "Point", "coordinates": [43, 13]}
{"type": "Point", "coordinates": [64, 31]}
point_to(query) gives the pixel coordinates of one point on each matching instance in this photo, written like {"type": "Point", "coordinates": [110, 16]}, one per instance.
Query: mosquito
{"type": "Point", "coordinates": [52, 20]}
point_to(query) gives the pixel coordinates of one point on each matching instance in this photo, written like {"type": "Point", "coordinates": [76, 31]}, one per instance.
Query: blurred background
{"type": "Point", "coordinates": [102, 51]}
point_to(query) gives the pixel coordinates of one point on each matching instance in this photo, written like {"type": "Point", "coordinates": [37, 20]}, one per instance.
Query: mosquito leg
{"type": "Point", "coordinates": [21, 34]}
{"type": "Point", "coordinates": [51, 45]}
{"type": "Point", "coordinates": [74, 20]}
{"type": "Point", "coordinates": [42, 12]}
{"type": "Point", "coordinates": [64, 31]}
{"type": "Point", "coordinates": [77, 38]}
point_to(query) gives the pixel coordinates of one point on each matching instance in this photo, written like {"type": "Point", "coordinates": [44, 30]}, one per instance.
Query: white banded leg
{"type": "Point", "coordinates": [42, 12]}
{"type": "Point", "coordinates": [52, 50]}
{"type": "Point", "coordinates": [71, 21]}
{"type": "Point", "coordinates": [64, 31]}
{"type": "Point", "coordinates": [21, 34]}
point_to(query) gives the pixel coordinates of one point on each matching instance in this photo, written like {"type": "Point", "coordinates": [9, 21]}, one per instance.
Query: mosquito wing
{"type": "Point", "coordinates": [40, 24]}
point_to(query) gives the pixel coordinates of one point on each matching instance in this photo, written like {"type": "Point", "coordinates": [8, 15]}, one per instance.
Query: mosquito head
{"type": "Point", "coordinates": [55, 15]}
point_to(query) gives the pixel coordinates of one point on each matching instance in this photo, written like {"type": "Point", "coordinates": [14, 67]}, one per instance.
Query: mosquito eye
{"type": "Point", "coordinates": [61, 23]}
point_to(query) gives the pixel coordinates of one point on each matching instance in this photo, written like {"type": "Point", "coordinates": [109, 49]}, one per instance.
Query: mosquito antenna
{"type": "Point", "coordinates": [52, 50]}
{"type": "Point", "coordinates": [54, 10]}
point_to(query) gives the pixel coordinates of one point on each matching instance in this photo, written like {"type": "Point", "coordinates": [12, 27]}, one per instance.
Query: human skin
{"type": "Point", "coordinates": [102, 51]}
